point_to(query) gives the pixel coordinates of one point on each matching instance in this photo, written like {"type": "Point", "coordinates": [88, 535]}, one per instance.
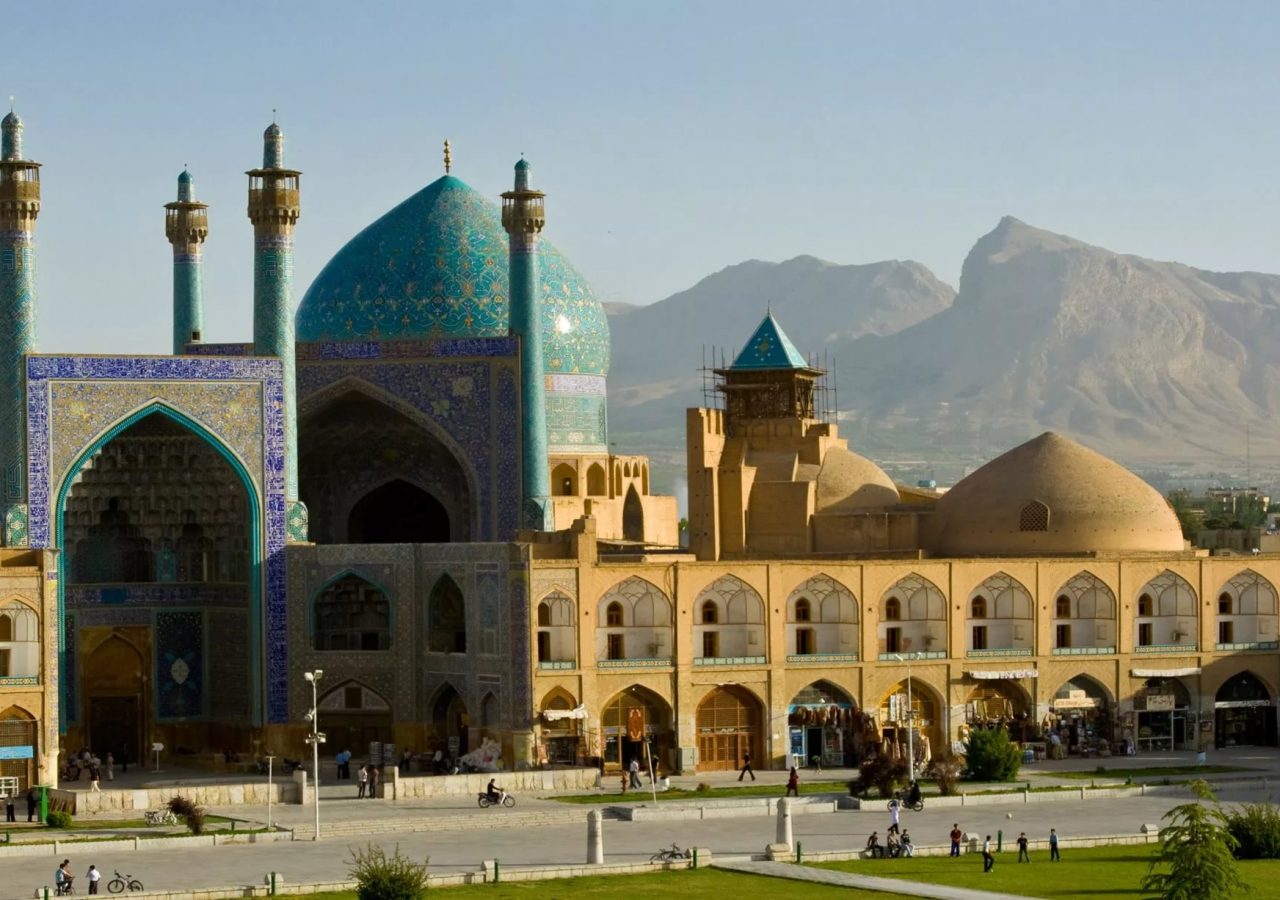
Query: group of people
{"type": "Point", "coordinates": [84, 761]}
{"type": "Point", "coordinates": [10, 809]}
{"type": "Point", "coordinates": [989, 859]}
{"type": "Point", "coordinates": [63, 879]}
{"type": "Point", "coordinates": [896, 843]}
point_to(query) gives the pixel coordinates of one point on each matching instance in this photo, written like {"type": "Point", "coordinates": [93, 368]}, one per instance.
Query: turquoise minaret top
{"type": "Point", "coordinates": [523, 217]}
{"type": "Point", "coordinates": [19, 207]}
{"type": "Point", "coordinates": [186, 226]}
{"type": "Point", "coordinates": [274, 205]}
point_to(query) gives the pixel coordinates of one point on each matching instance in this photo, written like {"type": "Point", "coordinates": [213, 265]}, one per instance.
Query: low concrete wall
{"type": "Point", "coordinates": [119, 845]}
{"type": "Point", "coordinates": [531, 781]}
{"type": "Point", "coordinates": [82, 803]}
{"type": "Point", "coordinates": [724, 809]}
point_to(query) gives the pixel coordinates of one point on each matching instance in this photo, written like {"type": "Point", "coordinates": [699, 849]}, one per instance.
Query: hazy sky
{"type": "Point", "coordinates": [672, 138]}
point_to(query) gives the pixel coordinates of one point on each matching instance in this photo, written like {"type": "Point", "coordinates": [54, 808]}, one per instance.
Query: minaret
{"type": "Point", "coordinates": [274, 206]}
{"type": "Point", "coordinates": [186, 225]}
{"type": "Point", "coordinates": [523, 218]}
{"type": "Point", "coordinates": [19, 206]}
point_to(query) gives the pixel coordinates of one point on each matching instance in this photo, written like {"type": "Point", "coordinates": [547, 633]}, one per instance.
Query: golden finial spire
{"type": "Point", "coordinates": [448, 157]}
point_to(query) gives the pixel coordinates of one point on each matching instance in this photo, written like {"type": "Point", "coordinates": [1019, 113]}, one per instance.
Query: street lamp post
{"type": "Point", "coordinates": [315, 739]}
{"type": "Point", "coordinates": [911, 713]}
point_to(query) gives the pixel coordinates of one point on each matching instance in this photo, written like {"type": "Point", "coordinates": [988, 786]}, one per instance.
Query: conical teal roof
{"type": "Point", "coordinates": [769, 348]}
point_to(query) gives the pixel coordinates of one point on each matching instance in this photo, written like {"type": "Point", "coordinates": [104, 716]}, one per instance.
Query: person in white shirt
{"type": "Point", "coordinates": [93, 876]}
{"type": "Point", "coordinates": [988, 861]}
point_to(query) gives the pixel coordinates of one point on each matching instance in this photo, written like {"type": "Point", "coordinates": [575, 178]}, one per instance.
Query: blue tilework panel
{"type": "Point", "coordinates": [179, 665]}
{"type": "Point", "coordinates": [70, 702]}
{"type": "Point", "coordinates": [273, 333]}
{"type": "Point", "coordinates": [470, 405]}
{"type": "Point", "coordinates": [436, 266]}
{"type": "Point", "coordinates": [74, 401]}
{"type": "Point", "coordinates": [17, 337]}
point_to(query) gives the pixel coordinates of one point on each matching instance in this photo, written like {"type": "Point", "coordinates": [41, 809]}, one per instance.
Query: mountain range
{"type": "Point", "coordinates": [1156, 364]}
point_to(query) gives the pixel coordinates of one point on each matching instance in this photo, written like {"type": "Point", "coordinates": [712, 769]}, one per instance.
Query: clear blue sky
{"type": "Point", "coordinates": [673, 138]}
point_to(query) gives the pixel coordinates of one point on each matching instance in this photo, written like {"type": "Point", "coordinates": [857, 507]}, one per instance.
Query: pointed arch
{"type": "Point", "coordinates": [1004, 596]}
{"type": "Point", "coordinates": [1088, 597]}
{"type": "Point", "coordinates": [830, 601]}
{"type": "Point", "coordinates": [1171, 595]}
{"type": "Point", "coordinates": [1251, 593]}
{"type": "Point", "coordinates": [635, 619]}
{"type": "Point", "coordinates": [351, 612]}
{"type": "Point", "coordinates": [642, 602]}
{"type": "Point", "coordinates": [256, 540]}
{"type": "Point", "coordinates": [729, 721]}
{"type": "Point", "coordinates": [564, 480]}
{"type": "Point", "coordinates": [919, 598]}
{"type": "Point", "coordinates": [597, 483]}
{"type": "Point", "coordinates": [450, 718]}
{"type": "Point", "coordinates": [489, 714]}
{"type": "Point", "coordinates": [446, 617]}
{"type": "Point", "coordinates": [633, 516]}
{"type": "Point", "coordinates": [557, 698]}
{"type": "Point", "coordinates": [738, 602]}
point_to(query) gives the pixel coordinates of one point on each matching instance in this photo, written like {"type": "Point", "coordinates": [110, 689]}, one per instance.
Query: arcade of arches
{"type": "Point", "coordinates": [371, 475]}
{"type": "Point", "coordinates": [157, 524]}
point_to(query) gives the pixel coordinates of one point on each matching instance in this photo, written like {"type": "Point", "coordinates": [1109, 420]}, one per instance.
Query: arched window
{"type": "Point", "coordinates": [1144, 605]}
{"type": "Point", "coordinates": [446, 618]}
{"type": "Point", "coordinates": [1064, 607]}
{"type": "Point", "coordinates": [352, 614]}
{"type": "Point", "coordinates": [893, 609]}
{"type": "Point", "coordinates": [979, 608]}
{"type": "Point", "coordinates": [1034, 517]}
{"type": "Point", "coordinates": [613, 615]}
{"type": "Point", "coordinates": [544, 615]}
{"type": "Point", "coordinates": [804, 613]}
{"type": "Point", "coordinates": [1224, 604]}
{"type": "Point", "coordinates": [710, 613]}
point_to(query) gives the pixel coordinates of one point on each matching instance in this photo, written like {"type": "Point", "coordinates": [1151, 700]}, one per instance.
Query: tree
{"type": "Point", "coordinates": [1196, 847]}
{"type": "Point", "coordinates": [992, 756]}
{"type": "Point", "coordinates": [1189, 520]}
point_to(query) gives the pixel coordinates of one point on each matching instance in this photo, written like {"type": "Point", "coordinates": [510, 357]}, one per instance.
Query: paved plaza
{"type": "Point", "coordinates": [452, 849]}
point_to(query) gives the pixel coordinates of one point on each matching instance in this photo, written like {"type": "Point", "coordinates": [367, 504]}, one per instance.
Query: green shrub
{"type": "Point", "coordinates": [1256, 828]}
{"type": "Point", "coordinates": [945, 770]}
{"type": "Point", "coordinates": [382, 877]}
{"type": "Point", "coordinates": [880, 773]}
{"type": "Point", "coordinates": [992, 756]}
{"type": "Point", "coordinates": [1196, 850]}
{"type": "Point", "coordinates": [702, 787]}
{"type": "Point", "coordinates": [58, 819]}
{"type": "Point", "coordinates": [186, 809]}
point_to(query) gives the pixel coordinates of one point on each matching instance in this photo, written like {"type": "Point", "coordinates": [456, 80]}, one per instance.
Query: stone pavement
{"type": "Point", "coordinates": [452, 850]}
{"type": "Point", "coordinates": [866, 882]}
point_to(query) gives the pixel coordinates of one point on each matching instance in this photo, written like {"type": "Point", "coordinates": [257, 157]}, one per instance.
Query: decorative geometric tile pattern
{"type": "Point", "coordinates": [179, 665]}
{"type": "Point", "coordinates": [296, 524]}
{"type": "Point", "coordinates": [16, 525]}
{"type": "Point", "coordinates": [255, 435]}
{"type": "Point", "coordinates": [69, 702]}
{"type": "Point", "coordinates": [273, 333]}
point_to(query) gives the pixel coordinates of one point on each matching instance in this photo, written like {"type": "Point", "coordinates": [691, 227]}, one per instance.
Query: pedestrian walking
{"type": "Point", "coordinates": [363, 778]}
{"type": "Point", "coordinates": [793, 783]}
{"type": "Point", "coordinates": [111, 766]}
{"type": "Point", "coordinates": [634, 769]}
{"type": "Point", "coordinates": [988, 861]}
{"type": "Point", "coordinates": [31, 804]}
{"type": "Point", "coordinates": [95, 778]}
{"type": "Point", "coordinates": [93, 876]}
{"type": "Point", "coordinates": [10, 814]}
{"type": "Point", "coordinates": [895, 813]}
{"type": "Point", "coordinates": [1053, 846]}
{"type": "Point", "coordinates": [956, 837]}
{"type": "Point", "coordinates": [374, 775]}
{"type": "Point", "coordinates": [1023, 854]}
{"type": "Point", "coordinates": [746, 766]}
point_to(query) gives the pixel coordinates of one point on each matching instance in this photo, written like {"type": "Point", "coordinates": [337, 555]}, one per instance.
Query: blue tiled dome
{"type": "Point", "coordinates": [436, 266]}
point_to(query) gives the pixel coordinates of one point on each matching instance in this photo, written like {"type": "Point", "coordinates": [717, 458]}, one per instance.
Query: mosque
{"type": "Point", "coordinates": [407, 484]}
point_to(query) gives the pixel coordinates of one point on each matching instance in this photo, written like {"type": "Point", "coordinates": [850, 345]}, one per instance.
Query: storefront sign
{"type": "Point", "coordinates": [1165, 673]}
{"type": "Point", "coordinates": [1239, 704]}
{"type": "Point", "coordinates": [25, 751]}
{"type": "Point", "coordinates": [1007, 675]}
{"type": "Point", "coordinates": [1160, 702]}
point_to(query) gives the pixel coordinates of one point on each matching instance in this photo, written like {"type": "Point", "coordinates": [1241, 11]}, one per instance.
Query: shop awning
{"type": "Point", "coordinates": [1004, 674]}
{"type": "Point", "coordinates": [1240, 704]}
{"type": "Point", "coordinates": [1165, 673]}
{"type": "Point", "coordinates": [555, 715]}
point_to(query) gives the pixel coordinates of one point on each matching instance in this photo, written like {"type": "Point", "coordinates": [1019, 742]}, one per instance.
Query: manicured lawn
{"type": "Point", "coordinates": [1150, 772]}
{"type": "Point", "coordinates": [1093, 874]}
{"type": "Point", "coordinates": [660, 885]}
{"type": "Point", "coordinates": [750, 790]}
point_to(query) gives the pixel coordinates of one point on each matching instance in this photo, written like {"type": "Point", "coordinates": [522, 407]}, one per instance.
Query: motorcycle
{"type": "Point", "coordinates": [504, 799]}
{"type": "Point", "coordinates": [904, 801]}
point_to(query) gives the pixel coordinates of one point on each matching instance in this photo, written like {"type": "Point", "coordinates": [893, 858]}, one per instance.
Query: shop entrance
{"type": "Point", "coordinates": [1244, 714]}
{"type": "Point", "coordinates": [1165, 720]}
{"type": "Point", "coordinates": [1000, 703]}
{"type": "Point", "coordinates": [1080, 721]}
{"type": "Point", "coordinates": [18, 733]}
{"type": "Point", "coordinates": [822, 719]}
{"type": "Point", "coordinates": [630, 720]}
{"type": "Point", "coordinates": [910, 703]}
{"type": "Point", "coordinates": [728, 728]}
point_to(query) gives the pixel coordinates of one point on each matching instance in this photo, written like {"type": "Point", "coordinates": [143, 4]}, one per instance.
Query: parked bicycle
{"type": "Point", "coordinates": [671, 854]}
{"type": "Point", "coordinates": [123, 883]}
{"type": "Point", "coordinates": [159, 817]}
